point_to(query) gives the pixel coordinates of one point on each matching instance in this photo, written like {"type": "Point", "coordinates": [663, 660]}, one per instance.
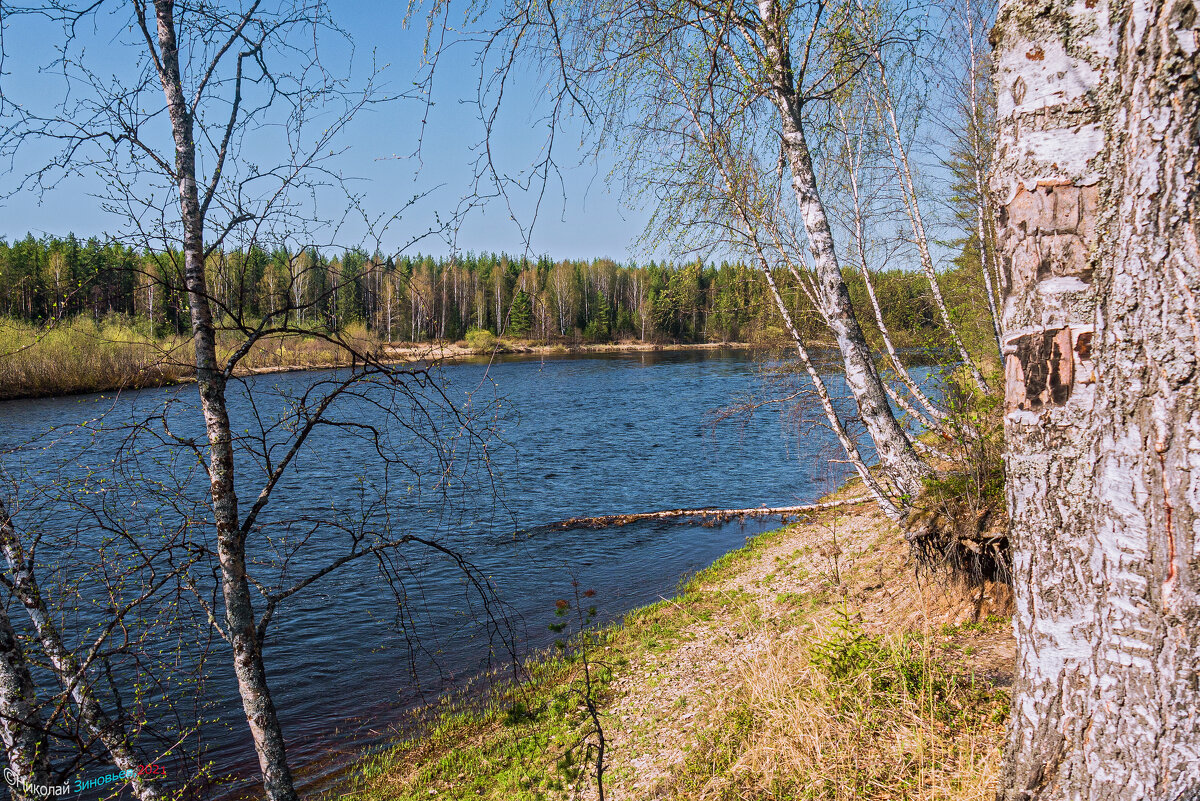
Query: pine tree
{"type": "Point", "coordinates": [520, 314]}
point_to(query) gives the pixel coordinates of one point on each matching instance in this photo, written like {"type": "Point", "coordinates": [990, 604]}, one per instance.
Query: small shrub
{"type": "Point", "coordinates": [480, 340]}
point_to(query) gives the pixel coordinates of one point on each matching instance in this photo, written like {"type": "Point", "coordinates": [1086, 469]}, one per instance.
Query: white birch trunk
{"type": "Point", "coordinates": [1050, 60]}
{"type": "Point", "coordinates": [913, 207]}
{"type": "Point", "coordinates": [896, 454]}
{"type": "Point", "coordinates": [66, 666]}
{"type": "Point", "coordinates": [21, 724]}
{"type": "Point", "coordinates": [1129, 726]}
{"type": "Point", "coordinates": [240, 620]}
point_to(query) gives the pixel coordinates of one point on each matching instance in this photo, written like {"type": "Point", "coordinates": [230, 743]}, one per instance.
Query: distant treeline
{"type": "Point", "coordinates": [420, 298]}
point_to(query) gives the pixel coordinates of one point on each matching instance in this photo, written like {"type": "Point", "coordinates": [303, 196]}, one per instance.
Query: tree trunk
{"type": "Point", "coordinates": [1101, 429]}
{"type": "Point", "coordinates": [67, 669]}
{"type": "Point", "coordinates": [896, 454]}
{"type": "Point", "coordinates": [1050, 126]}
{"type": "Point", "coordinates": [21, 725]}
{"type": "Point", "coordinates": [913, 207]}
{"type": "Point", "coordinates": [1111, 712]}
{"type": "Point", "coordinates": [895, 451]}
{"type": "Point", "coordinates": [231, 546]}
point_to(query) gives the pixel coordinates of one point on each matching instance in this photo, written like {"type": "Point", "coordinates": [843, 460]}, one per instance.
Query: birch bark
{"type": "Point", "coordinates": [1105, 462]}
{"type": "Point", "coordinates": [1090, 574]}
{"type": "Point", "coordinates": [896, 454]}
{"type": "Point", "coordinates": [1050, 62]}
{"type": "Point", "coordinates": [912, 205]}
{"type": "Point", "coordinates": [66, 666]}
{"type": "Point", "coordinates": [210, 378]}
{"type": "Point", "coordinates": [1137, 730]}
{"type": "Point", "coordinates": [21, 727]}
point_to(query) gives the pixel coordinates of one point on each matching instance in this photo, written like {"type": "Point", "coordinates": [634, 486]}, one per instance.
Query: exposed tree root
{"type": "Point", "coordinates": [972, 544]}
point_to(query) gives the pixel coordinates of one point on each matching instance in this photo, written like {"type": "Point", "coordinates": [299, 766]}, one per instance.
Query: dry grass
{"type": "Point", "coordinates": [851, 716]}
{"type": "Point", "coordinates": [119, 352]}
{"type": "Point", "coordinates": [868, 680]}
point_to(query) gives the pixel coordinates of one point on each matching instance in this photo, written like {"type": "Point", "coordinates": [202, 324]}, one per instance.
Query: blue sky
{"type": "Point", "coordinates": [582, 217]}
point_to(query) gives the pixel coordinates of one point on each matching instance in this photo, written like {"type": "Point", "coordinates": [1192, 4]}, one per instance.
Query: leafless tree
{"type": "Point", "coordinates": [170, 138]}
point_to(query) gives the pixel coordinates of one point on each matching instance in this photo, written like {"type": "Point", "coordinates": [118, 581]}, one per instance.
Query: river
{"type": "Point", "coordinates": [573, 436]}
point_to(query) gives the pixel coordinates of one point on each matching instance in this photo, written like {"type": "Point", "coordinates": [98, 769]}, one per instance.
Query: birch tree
{"type": "Point", "coordinates": [63, 709]}
{"type": "Point", "coordinates": [776, 67]}
{"type": "Point", "coordinates": [790, 87]}
{"type": "Point", "coordinates": [22, 727]}
{"type": "Point", "coordinates": [972, 124]}
{"type": "Point", "coordinates": [71, 672]}
{"type": "Point", "coordinates": [1050, 65]}
{"type": "Point", "coordinates": [1095, 181]}
{"type": "Point", "coordinates": [166, 137]}
{"type": "Point", "coordinates": [898, 152]}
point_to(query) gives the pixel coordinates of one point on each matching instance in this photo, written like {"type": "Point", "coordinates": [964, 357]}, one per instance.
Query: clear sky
{"type": "Point", "coordinates": [581, 217]}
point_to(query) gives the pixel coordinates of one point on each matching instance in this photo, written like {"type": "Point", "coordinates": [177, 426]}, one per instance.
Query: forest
{"type": "Point", "coordinates": [415, 298]}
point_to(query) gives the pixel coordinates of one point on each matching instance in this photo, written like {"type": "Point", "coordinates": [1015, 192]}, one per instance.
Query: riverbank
{"type": "Point", "coordinates": [812, 663]}
{"type": "Point", "coordinates": [452, 351]}
{"type": "Point", "coordinates": [115, 354]}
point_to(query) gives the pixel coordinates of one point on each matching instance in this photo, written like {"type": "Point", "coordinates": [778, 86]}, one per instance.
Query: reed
{"type": "Point", "coordinates": [117, 352]}
{"type": "Point", "coordinates": [87, 355]}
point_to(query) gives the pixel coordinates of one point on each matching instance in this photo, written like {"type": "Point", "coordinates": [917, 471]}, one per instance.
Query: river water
{"type": "Point", "coordinates": [570, 436]}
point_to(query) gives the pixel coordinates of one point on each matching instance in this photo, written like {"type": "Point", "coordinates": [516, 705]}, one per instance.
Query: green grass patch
{"type": "Point", "coordinates": [519, 742]}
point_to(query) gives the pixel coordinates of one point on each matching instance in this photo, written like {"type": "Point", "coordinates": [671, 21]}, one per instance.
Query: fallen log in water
{"type": "Point", "coordinates": [709, 515]}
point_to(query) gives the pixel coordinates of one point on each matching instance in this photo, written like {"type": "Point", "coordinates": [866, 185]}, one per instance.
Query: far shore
{"type": "Point", "coordinates": [441, 352]}
{"type": "Point", "coordinates": [392, 354]}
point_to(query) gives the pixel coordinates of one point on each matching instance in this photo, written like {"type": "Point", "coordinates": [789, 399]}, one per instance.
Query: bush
{"type": "Point", "coordinates": [481, 340]}
{"type": "Point", "coordinates": [960, 521]}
